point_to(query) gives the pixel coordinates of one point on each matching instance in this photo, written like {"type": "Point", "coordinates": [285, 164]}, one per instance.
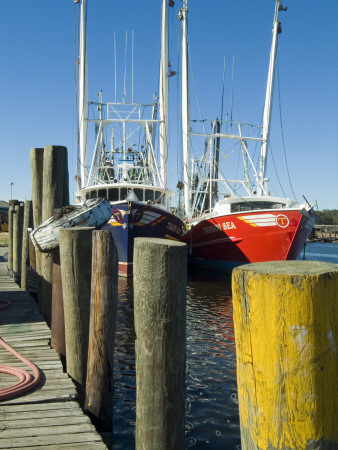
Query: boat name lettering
{"type": "Point", "coordinates": [228, 225]}
{"type": "Point", "coordinates": [212, 228]}
{"type": "Point", "coordinates": [174, 228]}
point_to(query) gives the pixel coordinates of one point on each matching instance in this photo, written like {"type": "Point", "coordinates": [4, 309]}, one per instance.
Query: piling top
{"type": "Point", "coordinates": [159, 241]}
{"type": "Point", "coordinates": [290, 267]}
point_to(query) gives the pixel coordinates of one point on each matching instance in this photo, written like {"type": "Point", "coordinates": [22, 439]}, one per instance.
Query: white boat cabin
{"type": "Point", "coordinates": [118, 193]}
{"type": "Point", "coordinates": [234, 205]}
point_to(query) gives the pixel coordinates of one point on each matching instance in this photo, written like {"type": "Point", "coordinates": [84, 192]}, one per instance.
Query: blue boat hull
{"type": "Point", "coordinates": [131, 220]}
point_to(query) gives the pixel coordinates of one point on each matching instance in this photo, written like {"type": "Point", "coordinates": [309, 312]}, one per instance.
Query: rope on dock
{"type": "Point", "coordinates": [26, 381]}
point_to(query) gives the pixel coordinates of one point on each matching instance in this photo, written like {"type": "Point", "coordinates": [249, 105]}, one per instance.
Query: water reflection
{"type": "Point", "coordinates": [211, 395]}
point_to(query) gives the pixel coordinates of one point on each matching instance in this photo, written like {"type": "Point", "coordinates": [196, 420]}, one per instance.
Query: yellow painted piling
{"type": "Point", "coordinates": [286, 328]}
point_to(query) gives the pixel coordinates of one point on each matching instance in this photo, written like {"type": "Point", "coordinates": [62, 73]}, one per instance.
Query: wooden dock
{"type": "Point", "coordinates": [325, 233]}
{"type": "Point", "coordinates": [50, 415]}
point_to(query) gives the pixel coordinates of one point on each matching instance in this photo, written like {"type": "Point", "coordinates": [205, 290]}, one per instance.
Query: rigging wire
{"type": "Point", "coordinates": [195, 90]}
{"type": "Point", "coordinates": [275, 167]}
{"type": "Point", "coordinates": [282, 133]}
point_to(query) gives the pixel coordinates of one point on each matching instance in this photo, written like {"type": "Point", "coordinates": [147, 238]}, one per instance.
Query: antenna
{"type": "Point", "coordinates": [232, 89]}
{"type": "Point", "coordinates": [115, 61]}
{"type": "Point", "coordinates": [125, 69]}
{"type": "Point", "coordinates": [132, 66]}
{"type": "Point", "coordinates": [223, 91]}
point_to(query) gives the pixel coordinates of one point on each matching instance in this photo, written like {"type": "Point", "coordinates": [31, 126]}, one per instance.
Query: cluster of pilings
{"type": "Point", "coordinates": [285, 318]}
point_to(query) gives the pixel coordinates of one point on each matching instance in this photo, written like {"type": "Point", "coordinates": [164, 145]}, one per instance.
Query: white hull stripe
{"type": "Point", "coordinates": [261, 220]}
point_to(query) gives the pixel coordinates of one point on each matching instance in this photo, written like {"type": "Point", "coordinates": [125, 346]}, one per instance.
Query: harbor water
{"type": "Point", "coordinates": [212, 419]}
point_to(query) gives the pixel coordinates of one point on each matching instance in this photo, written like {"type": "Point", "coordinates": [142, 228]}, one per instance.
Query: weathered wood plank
{"type": "Point", "coordinates": [47, 440]}
{"type": "Point", "coordinates": [52, 429]}
{"type": "Point", "coordinates": [30, 423]}
{"type": "Point", "coordinates": [82, 445]}
{"type": "Point", "coordinates": [38, 414]}
{"type": "Point", "coordinates": [66, 407]}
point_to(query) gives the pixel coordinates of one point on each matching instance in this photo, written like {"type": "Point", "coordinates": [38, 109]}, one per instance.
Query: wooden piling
{"type": "Point", "coordinates": [32, 255]}
{"type": "Point", "coordinates": [286, 329]}
{"type": "Point", "coordinates": [12, 204]}
{"type": "Point", "coordinates": [76, 262]}
{"type": "Point", "coordinates": [36, 162]}
{"type": "Point", "coordinates": [104, 289]}
{"type": "Point", "coordinates": [160, 323]}
{"type": "Point", "coordinates": [10, 240]}
{"type": "Point", "coordinates": [27, 223]}
{"type": "Point", "coordinates": [58, 339]}
{"type": "Point", "coordinates": [55, 179]}
{"type": "Point", "coordinates": [17, 241]}
{"type": "Point", "coordinates": [55, 195]}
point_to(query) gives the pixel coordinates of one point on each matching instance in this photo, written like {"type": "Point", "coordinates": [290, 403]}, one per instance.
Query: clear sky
{"type": "Point", "coordinates": [37, 78]}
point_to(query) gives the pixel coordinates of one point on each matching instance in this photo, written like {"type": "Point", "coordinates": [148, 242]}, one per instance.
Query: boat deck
{"type": "Point", "coordinates": [48, 416]}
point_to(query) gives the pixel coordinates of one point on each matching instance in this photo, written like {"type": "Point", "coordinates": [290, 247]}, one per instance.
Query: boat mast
{"type": "Point", "coordinates": [183, 16]}
{"type": "Point", "coordinates": [261, 180]}
{"type": "Point", "coordinates": [164, 87]}
{"type": "Point", "coordinates": [83, 98]}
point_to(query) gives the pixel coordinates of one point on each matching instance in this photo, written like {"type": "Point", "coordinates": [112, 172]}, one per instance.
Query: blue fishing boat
{"type": "Point", "coordinates": [124, 168]}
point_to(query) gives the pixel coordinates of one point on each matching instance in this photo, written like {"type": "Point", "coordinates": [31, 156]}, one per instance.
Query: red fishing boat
{"type": "Point", "coordinates": [226, 240]}
{"type": "Point", "coordinates": [232, 220]}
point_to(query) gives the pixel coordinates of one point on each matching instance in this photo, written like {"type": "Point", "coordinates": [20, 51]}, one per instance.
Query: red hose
{"type": "Point", "coordinates": [26, 381]}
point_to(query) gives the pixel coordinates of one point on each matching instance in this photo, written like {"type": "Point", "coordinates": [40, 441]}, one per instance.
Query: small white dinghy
{"type": "Point", "coordinates": [94, 212]}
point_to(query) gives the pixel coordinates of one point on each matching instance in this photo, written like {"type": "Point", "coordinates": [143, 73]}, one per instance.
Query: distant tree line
{"type": "Point", "coordinates": [327, 217]}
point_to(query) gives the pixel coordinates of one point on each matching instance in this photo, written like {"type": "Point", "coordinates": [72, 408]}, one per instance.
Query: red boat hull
{"type": "Point", "coordinates": [227, 241]}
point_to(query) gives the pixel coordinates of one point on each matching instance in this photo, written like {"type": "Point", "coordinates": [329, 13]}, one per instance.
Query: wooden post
{"type": "Point", "coordinates": [32, 277]}
{"type": "Point", "coordinates": [55, 180]}
{"type": "Point", "coordinates": [36, 162]}
{"type": "Point", "coordinates": [55, 195]}
{"type": "Point", "coordinates": [27, 223]}
{"type": "Point", "coordinates": [58, 339]}
{"type": "Point", "coordinates": [99, 384]}
{"type": "Point", "coordinates": [32, 255]}
{"type": "Point", "coordinates": [286, 329]}
{"type": "Point", "coordinates": [17, 241]}
{"type": "Point", "coordinates": [10, 239]}
{"type": "Point", "coordinates": [160, 274]}
{"type": "Point", "coordinates": [76, 263]}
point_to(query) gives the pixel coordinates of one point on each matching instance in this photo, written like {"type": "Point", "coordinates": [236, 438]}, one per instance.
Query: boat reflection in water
{"type": "Point", "coordinates": [211, 393]}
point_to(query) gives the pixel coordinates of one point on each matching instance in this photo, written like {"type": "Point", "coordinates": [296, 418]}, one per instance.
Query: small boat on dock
{"type": "Point", "coordinates": [232, 220]}
{"type": "Point", "coordinates": [94, 212]}
{"type": "Point", "coordinates": [124, 167]}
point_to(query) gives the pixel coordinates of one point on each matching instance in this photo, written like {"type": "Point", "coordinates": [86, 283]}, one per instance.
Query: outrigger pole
{"type": "Point", "coordinates": [261, 180]}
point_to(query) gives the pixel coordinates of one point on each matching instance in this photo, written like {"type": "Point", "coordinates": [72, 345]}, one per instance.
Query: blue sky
{"type": "Point", "coordinates": [37, 78]}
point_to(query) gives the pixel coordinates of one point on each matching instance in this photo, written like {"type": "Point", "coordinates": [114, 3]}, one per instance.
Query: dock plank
{"type": "Point", "coordinates": [50, 415]}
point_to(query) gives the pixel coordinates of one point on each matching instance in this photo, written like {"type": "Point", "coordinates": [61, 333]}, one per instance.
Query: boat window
{"type": "Point", "coordinates": [157, 195]}
{"type": "Point", "coordinates": [113, 194]}
{"type": "Point", "coordinates": [87, 196]}
{"type": "Point", "coordinates": [123, 193]}
{"type": "Point", "coordinates": [93, 194]}
{"type": "Point", "coordinates": [139, 194]}
{"type": "Point", "coordinates": [149, 195]}
{"type": "Point", "coordinates": [250, 206]}
{"type": "Point", "coordinates": [102, 193]}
